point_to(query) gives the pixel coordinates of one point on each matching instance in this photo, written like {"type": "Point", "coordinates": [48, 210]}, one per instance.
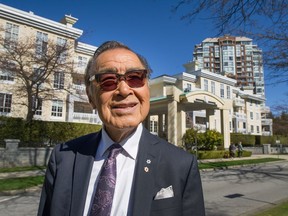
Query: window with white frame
{"type": "Point", "coordinates": [38, 76]}
{"type": "Point", "coordinates": [11, 33]}
{"type": "Point", "coordinates": [61, 49]}
{"type": "Point", "coordinates": [228, 92]}
{"type": "Point", "coordinates": [82, 62]}
{"type": "Point", "coordinates": [251, 115]}
{"type": "Point", "coordinates": [41, 43]}
{"type": "Point", "coordinates": [6, 76]}
{"type": "Point", "coordinates": [37, 106]}
{"type": "Point", "coordinates": [205, 84]}
{"type": "Point", "coordinates": [222, 90]}
{"type": "Point", "coordinates": [59, 80]}
{"type": "Point", "coordinates": [57, 108]}
{"type": "Point", "coordinates": [5, 102]}
{"type": "Point", "coordinates": [153, 126]}
{"type": "Point", "coordinates": [252, 129]}
{"type": "Point", "coordinates": [258, 129]}
{"type": "Point", "coordinates": [212, 87]}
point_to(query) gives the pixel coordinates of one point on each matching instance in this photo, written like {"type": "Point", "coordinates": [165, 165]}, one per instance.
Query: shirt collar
{"type": "Point", "coordinates": [130, 144]}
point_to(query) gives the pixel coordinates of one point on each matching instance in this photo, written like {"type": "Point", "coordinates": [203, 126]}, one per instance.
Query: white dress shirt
{"type": "Point", "coordinates": [126, 161]}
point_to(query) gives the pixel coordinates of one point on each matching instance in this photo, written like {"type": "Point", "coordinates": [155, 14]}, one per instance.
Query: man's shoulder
{"type": "Point", "coordinates": [78, 142]}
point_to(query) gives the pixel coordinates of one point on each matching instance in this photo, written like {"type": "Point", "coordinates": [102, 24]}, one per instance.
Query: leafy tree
{"type": "Point", "coordinates": [32, 63]}
{"type": "Point", "coordinates": [280, 124]}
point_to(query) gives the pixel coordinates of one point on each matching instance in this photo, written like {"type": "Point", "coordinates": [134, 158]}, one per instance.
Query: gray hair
{"type": "Point", "coordinates": [110, 45]}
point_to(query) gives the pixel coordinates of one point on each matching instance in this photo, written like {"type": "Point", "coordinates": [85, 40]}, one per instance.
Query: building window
{"type": "Point", "coordinates": [41, 44]}
{"type": "Point", "coordinates": [61, 49]}
{"type": "Point", "coordinates": [11, 34]}
{"type": "Point", "coordinates": [38, 76]}
{"type": "Point", "coordinates": [228, 92]}
{"type": "Point", "coordinates": [188, 88]}
{"type": "Point", "coordinates": [37, 105]}
{"type": "Point", "coordinates": [57, 108]}
{"type": "Point", "coordinates": [258, 129]}
{"type": "Point", "coordinates": [252, 129]}
{"type": "Point", "coordinates": [205, 85]}
{"type": "Point", "coordinates": [5, 102]}
{"type": "Point", "coordinates": [6, 76]}
{"type": "Point", "coordinates": [251, 115]}
{"type": "Point", "coordinates": [59, 80]}
{"type": "Point", "coordinates": [82, 62]}
{"type": "Point", "coordinates": [244, 125]}
{"type": "Point", "coordinates": [222, 90]}
{"type": "Point", "coordinates": [212, 87]}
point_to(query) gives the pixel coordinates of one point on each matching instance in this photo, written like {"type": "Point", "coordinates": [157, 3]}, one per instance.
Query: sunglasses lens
{"type": "Point", "coordinates": [109, 81]}
{"type": "Point", "coordinates": [135, 79]}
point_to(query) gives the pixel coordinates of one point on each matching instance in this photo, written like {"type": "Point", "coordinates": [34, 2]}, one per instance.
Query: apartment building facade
{"type": "Point", "coordinates": [236, 57]}
{"type": "Point", "coordinates": [69, 101]}
{"type": "Point", "coordinates": [200, 99]}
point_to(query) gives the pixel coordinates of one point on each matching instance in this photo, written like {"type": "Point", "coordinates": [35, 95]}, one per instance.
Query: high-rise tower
{"type": "Point", "coordinates": [235, 57]}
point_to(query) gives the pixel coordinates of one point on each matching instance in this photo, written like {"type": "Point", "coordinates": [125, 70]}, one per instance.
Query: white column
{"type": "Point", "coordinates": [181, 126]}
{"type": "Point", "coordinates": [172, 122]}
{"type": "Point", "coordinates": [225, 130]}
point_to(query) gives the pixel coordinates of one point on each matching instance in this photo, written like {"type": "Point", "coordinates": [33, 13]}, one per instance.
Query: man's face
{"type": "Point", "coordinates": [124, 107]}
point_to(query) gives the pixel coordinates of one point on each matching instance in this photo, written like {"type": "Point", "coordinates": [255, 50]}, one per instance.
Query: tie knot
{"type": "Point", "coordinates": [114, 150]}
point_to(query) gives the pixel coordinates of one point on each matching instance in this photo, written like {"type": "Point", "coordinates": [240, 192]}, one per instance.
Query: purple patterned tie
{"type": "Point", "coordinates": [103, 198]}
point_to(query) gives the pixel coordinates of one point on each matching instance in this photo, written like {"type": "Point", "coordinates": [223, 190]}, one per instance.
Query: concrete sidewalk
{"type": "Point", "coordinates": [42, 172]}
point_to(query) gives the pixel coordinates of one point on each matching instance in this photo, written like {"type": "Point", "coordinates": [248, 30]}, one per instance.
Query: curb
{"type": "Point", "coordinates": [21, 191]}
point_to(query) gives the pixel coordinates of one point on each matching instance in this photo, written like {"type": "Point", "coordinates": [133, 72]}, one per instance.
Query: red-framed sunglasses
{"type": "Point", "coordinates": [109, 81]}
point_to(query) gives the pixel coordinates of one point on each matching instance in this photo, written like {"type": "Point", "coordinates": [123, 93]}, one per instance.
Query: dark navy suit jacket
{"type": "Point", "coordinates": [68, 174]}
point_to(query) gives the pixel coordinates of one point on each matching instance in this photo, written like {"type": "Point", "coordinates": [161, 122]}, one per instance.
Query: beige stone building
{"type": "Point", "coordinates": [69, 101]}
{"type": "Point", "coordinates": [201, 99]}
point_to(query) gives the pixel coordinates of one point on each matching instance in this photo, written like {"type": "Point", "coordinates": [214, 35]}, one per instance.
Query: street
{"type": "Point", "coordinates": [229, 192]}
{"type": "Point", "coordinates": [241, 191]}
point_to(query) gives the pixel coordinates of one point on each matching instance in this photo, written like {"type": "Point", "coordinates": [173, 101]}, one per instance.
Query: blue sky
{"type": "Point", "coordinates": [147, 26]}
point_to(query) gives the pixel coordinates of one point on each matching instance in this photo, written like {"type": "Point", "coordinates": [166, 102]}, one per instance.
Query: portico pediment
{"type": "Point", "coordinates": [202, 97]}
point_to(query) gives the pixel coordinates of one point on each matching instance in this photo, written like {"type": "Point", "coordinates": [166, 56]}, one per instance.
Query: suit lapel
{"type": "Point", "coordinates": [82, 169]}
{"type": "Point", "coordinates": [144, 186]}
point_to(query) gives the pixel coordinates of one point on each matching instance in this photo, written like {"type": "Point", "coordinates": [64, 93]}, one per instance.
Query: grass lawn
{"type": "Point", "coordinates": [21, 169]}
{"type": "Point", "coordinates": [279, 210]}
{"type": "Point", "coordinates": [26, 182]}
{"type": "Point", "coordinates": [20, 183]}
{"type": "Point", "coordinates": [224, 164]}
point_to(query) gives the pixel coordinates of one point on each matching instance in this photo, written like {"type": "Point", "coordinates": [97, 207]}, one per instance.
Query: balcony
{"type": "Point", "coordinates": [86, 118]}
{"type": "Point", "coordinates": [80, 89]}
{"type": "Point", "coordinates": [238, 102]}
{"type": "Point", "coordinates": [265, 109]}
{"type": "Point", "coordinates": [267, 133]}
{"type": "Point", "coordinates": [240, 116]}
{"type": "Point", "coordinates": [266, 121]}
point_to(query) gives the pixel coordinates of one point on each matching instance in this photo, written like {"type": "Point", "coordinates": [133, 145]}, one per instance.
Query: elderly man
{"type": "Point", "coordinates": [122, 169]}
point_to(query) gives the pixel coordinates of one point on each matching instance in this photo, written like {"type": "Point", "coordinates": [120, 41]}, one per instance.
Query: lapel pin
{"type": "Point", "coordinates": [148, 161]}
{"type": "Point", "coordinates": [146, 169]}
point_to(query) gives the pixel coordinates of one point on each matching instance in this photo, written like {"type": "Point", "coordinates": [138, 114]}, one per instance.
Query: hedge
{"type": "Point", "coordinates": [42, 133]}
{"type": "Point", "coordinates": [218, 154]}
{"type": "Point", "coordinates": [251, 140]}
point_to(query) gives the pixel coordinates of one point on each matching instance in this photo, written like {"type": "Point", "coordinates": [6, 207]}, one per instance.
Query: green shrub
{"type": "Point", "coordinates": [209, 140]}
{"type": "Point", "coordinates": [217, 154]}
{"type": "Point", "coordinates": [40, 133]}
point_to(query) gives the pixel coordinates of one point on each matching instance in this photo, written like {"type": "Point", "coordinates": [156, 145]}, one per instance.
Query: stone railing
{"type": "Point", "coordinates": [13, 156]}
